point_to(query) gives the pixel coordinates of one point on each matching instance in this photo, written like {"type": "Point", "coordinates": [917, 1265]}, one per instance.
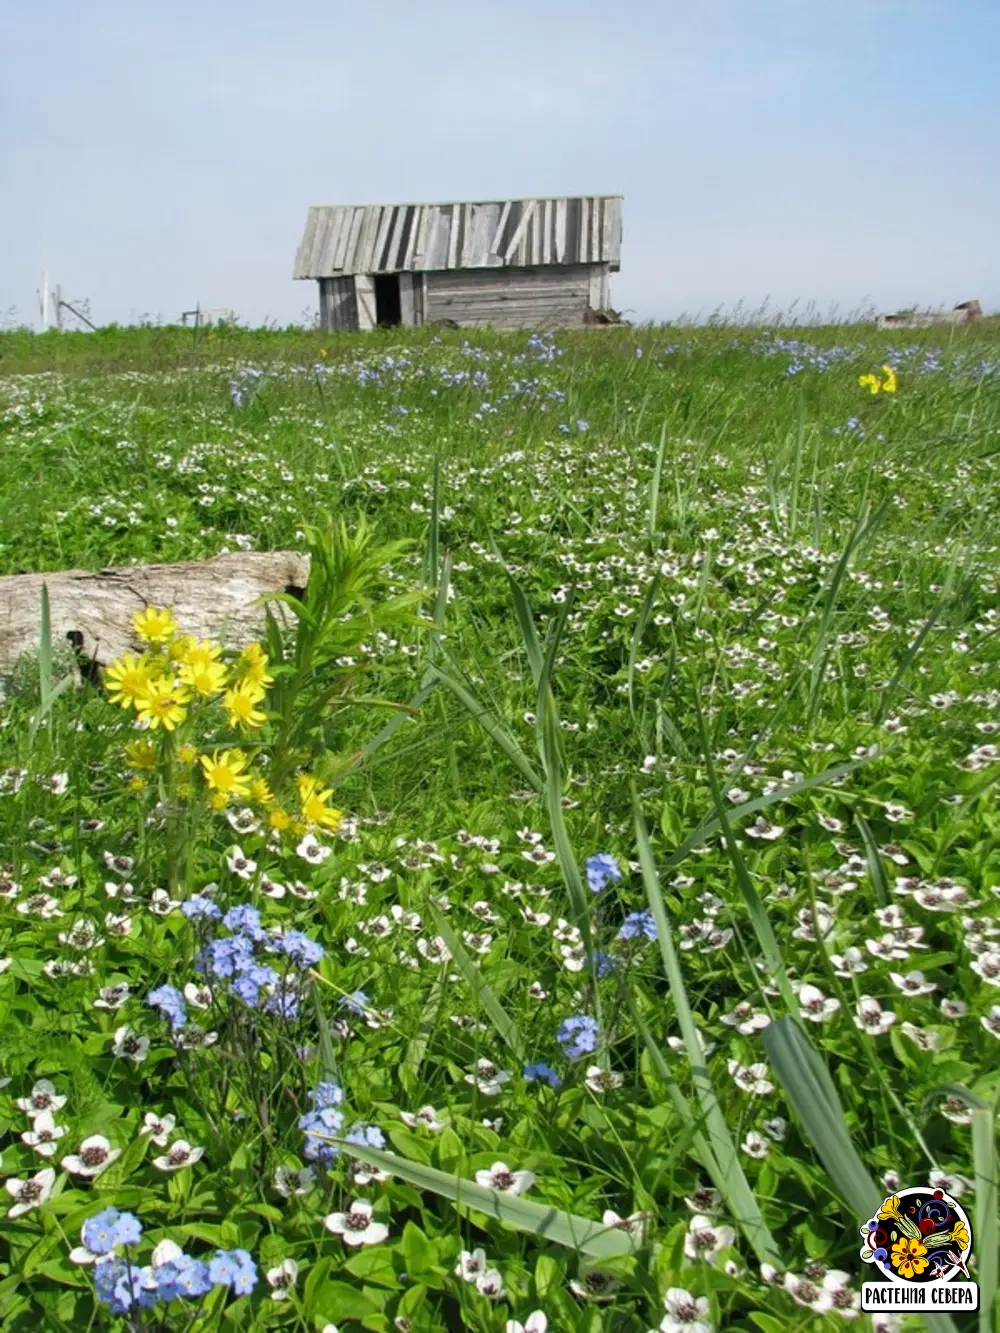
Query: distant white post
{"type": "Point", "coordinates": [43, 299]}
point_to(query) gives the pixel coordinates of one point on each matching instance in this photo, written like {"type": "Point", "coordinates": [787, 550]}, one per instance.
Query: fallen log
{"type": "Point", "coordinates": [92, 611]}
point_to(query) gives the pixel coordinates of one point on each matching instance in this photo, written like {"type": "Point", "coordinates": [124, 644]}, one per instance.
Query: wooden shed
{"type": "Point", "coordinates": [516, 263]}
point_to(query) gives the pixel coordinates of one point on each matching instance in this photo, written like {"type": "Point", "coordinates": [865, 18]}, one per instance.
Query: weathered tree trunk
{"type": "Point", "coordinates": [217, 598]}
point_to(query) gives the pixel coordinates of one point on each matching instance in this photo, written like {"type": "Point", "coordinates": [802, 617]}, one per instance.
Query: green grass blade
{"type": "Point", "coordinates": [987, 1242]}
{"type": "Point", "coordinates": [528, 632]}
{"type": "Point", "coordinates": [433, 529]}
{"type": "Point", "coordinates": [755, 908]}
{"type": "Point", "coordinates": [493, 728]}
{"type": "Point", "coordinates": [416, 1047]}
{"type": "Point", "coordinates": [730, 1181]}
{"type": "Point", "coordinates": [328, 1059]}
{"type": "Point", "coordinates": [483, 995]}
{"type": "Point", "coordinates": [908, 657]}
{"type": "Point", "coordinates": [637, 633]}
{"type": "Point", "coordinates": [710, 824]}
{"type": "Point", "coordinates": [800, 439]}
{"type": "Point", "coordinates": [654, 486]}
{"type": "Point", "coordinates": [682, 1106]}
{"type": "Point", "coordinates": [876, 870]}
{"type": "Point", "coordinates": [813, 1097]}
{"type": "Point", "coordinates": [722, 1147]}
{"type": "Point", "coordinates": [592, 1239]}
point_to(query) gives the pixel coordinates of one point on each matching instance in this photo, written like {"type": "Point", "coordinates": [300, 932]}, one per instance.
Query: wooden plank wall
{"type": "Point", "coordinates": [536, 298]}
{"type": "Point", "coordinates": [338, 309]}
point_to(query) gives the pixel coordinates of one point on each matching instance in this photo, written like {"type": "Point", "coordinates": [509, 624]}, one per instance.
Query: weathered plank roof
{"type": "Point", "coordinates": [517, 233]}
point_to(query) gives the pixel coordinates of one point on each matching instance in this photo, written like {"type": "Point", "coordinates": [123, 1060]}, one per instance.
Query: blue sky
{"type": "Point", "coordinates": [819, 150]}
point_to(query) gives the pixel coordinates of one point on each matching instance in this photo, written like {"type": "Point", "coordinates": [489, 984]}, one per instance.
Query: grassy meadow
{"type": "Point", "coordinates": [587, 914]}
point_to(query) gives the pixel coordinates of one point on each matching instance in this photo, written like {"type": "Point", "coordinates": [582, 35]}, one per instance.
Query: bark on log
{"type": "Point", "coordinates": [217, 598]}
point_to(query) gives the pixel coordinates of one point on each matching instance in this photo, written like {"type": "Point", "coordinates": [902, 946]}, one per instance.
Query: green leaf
{"type": "Point", "coordinates": [654, 486]}
{"type": "Point", "coordinates": [418, 1251]}
{"type": "Point", "coordinates": [483, 996]}
{"type": "Point", "coordinates": [338, 1300]}
{"type": "Point", "coordinates": [592, 1239]}
{"type": "Point", "coordinates": [374, 1265]}
{"type": "Point", "coordinates": [769, 1323]}
{"type": "Point", "coordinates": [412, 1301]}
{"type": "Point", "coordinates": [548, 1276]}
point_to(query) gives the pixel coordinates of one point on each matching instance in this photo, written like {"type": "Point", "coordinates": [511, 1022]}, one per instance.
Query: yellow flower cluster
{"type": "Point", "coordinates": [872, 382]}
{"type": "Point", "coordinates": [176, 671]}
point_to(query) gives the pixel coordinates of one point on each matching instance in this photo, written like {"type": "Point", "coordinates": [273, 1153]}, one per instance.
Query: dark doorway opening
{"type": "Point", "coordinates": [388, 307]}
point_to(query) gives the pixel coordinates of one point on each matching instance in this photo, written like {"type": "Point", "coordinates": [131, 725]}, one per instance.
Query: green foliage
{"type": "Point", "coordinates": [713, 611]}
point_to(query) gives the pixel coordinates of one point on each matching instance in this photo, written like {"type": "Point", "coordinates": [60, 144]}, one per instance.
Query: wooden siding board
{"type": "Point", "coordinates": [381, 240]}
{"type": "Point", "coordinates": [338, 307]}
{"type": "Point", "coordinates": [348, 239]}
{"type": "Point", "coordinates": [535, 237]}
{"type": "Point", "coordinates": [453, 234]}
{"type": "Point", "coordinates": [543, 297]}
{"type": "Point", "coordinates": [437, 247]}
{"type": "Point", "coordinates": [614, 256]}
{"type": "Point", "coordinates": [498, 232]}
{"type": "Point", "coordinates": [560, 236]}
{"type": "Point", "coordinates": [339, 247]}
{"type": "Point", "coordinates": [322, 227]}
{"type": "Point", "coordinates": [304, 253]}
{"type": "Point", "coordinates": [607, 230]}
{"type": "Point", "coordinates": [364, 291]}
{"type": "Point", "coordinates": [415, 233]}
{"type": "Point", "coordinates": [364, 260]}
{"type": "Point", "coordinates": [420, 244]}
{"type": "Point", "coordinates": [399, 224]}
{"type": "Point", "coordinates": [352, 239]}
{"type": "Point", "coordinates": [407, 312]}
{"type": "Point", "coordinates": [330, 240]}
{"type": "Point", "coordinates": [520, 231]}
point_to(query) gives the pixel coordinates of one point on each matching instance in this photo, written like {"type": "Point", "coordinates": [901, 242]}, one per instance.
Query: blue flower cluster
{"type": "Point", "coordinates": [542, 1073]}
{"type": "Point", "coordinates": [601, 868]}
{"type": "Point", "coordinates": [578, 1035]}
{"type": "Point", "coordinates": [235, 958]}
{"type": "Point", "coordinates": [638, 924]}
{"type": "Point", "coordinates": [120, 1284]}
{"type": "Point", "coordinates": [325, 1118]}
{"type": "Point", "coordinates": [247, 381]}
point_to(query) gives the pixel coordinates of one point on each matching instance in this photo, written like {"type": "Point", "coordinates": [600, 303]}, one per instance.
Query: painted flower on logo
{"type": "Point", "coordinates": [909, 1257]}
